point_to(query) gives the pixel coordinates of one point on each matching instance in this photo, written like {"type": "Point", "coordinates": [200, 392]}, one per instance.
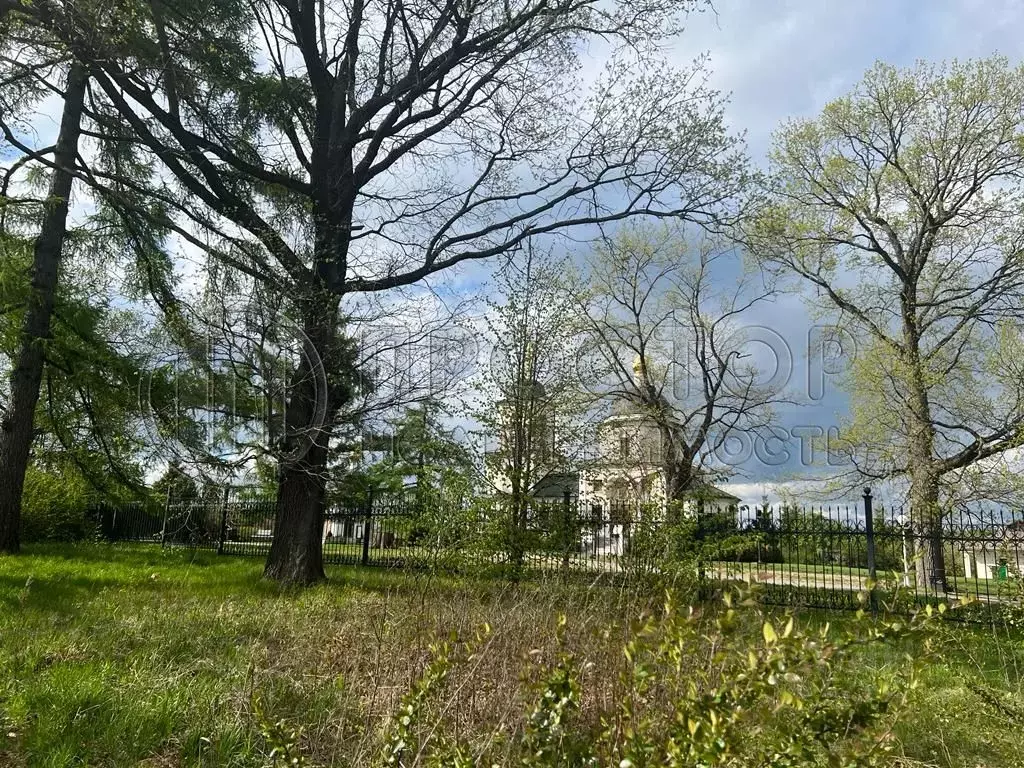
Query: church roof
{"type": "Point", "coordinates": [712, 492]}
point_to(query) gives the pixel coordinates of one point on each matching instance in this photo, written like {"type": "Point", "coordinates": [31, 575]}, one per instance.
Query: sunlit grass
{"type": "Point", "coordinates": [117, 655]}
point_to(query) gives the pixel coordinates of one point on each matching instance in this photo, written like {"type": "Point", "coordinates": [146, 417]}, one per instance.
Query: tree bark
{"type": "Point", "coordinates": [927, 519]}
{"type": "Point", "coordinates": [296, 551]}
{"type": "Point", "coordinates": [678, 468]}
{"type": "Point", "coordinates": [925, 511]}
{"type": "Point", "coordinates": [17, 428]}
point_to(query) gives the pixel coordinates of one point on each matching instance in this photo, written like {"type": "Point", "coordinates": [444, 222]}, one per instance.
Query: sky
{"type": "Point", "coordinates": [788, 58]}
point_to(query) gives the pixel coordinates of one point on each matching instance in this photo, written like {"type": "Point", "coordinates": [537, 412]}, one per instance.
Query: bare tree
{"type": "Point", "coordinates": [341, 149]}
{"type": "Point", "coordinates": [900, 206]}
{"type": "Point", "coordinates": [664, 321]}
{"type": "Point", "coordinates": [531, 407]}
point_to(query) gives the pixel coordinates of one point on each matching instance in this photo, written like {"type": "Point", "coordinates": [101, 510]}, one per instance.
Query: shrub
{"type": "Point", "coordinates": [691, 690]}
{"type": "Point", "coordinates": [55, 506]}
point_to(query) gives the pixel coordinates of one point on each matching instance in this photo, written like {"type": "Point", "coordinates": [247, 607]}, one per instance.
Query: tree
{"type": "Point", "coordinates": [176, 485]}
{"type": "Point", "coordinates": [349, 148]}
{"type": "Point", "coordinates": [89, 413]}
{"type": "Point", "coordinates": [532, 409]}
{"type": "Point", "coordinates": [17, 425]}
{"type": "Point", "coordinates": [90, 359]}
{"type": "Point", "coordinates": [663, 319]}
{"type": "Point", "coordinates": [426, 450]}
{"type": "Point", "coordinates": [901, 206]}
{"type": "Point", "coordinates": [415, 453]}
{"type": "Point", "coordinates": [404, 353]}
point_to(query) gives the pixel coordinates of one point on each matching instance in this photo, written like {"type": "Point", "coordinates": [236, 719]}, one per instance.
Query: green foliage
{"type": "Point", "coordinates": [532, 406]}
{"type": "Point", "coordinates": [402, 740]}
{"type": "Point", "coordinates": [900, 208]}
{"type": "Point", "coordinates": [55, 505]}
{"type": "Point", "coordinates": [403, 745]}
{"type": "Point", "coordinates": [812, 538]}
{"type": "Point", "coordinates": [698, 692]}
{"type": "Point", "coordinates": [780, 702]}
{"type": "Point", "coordinates": [175, 485]}
{"type": "Point", "coordinates": [418, 447]}
{"type": "Point", "coordinates": [675, 544]}
{"type": "Point", "coordinates": [89, 410]}
{"type": "Point", "coordinates": [283, 740]}
{"type": "Point", "coordinates": [550, 738]}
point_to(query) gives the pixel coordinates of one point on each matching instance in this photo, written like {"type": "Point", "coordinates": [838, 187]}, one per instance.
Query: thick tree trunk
{"type": "Point", "coordinates": [925, 512]}
{"type": "Point", "coordinates": [16, 430]}
{"type": "Point", "coordinates": [296, 552]}
{"type": "Point", "coordinates": [927, 519]}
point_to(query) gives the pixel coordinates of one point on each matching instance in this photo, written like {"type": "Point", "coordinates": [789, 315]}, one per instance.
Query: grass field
{"type": "Point", "coordinates": [123, 656]}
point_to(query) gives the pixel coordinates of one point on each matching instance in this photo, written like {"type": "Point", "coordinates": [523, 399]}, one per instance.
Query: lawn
{"type": "Point", "coordinates": [120, 656]}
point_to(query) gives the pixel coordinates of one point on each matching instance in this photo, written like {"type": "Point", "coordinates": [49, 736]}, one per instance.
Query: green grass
{"type": "Point", "coordinates": [949, 723]}
{"type": "Point", "coordinates": [121, 656]}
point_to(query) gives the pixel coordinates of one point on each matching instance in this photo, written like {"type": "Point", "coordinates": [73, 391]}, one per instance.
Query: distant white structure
{"type": "Point", "coordinates": [996, 559]}
{"type": "Point", "coordinates": [630, 469]}
{"type": "Point", "coordinates": [625, 477]}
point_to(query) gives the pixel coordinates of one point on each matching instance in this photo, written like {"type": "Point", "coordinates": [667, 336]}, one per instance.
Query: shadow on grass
{"type": "Point", "coordinates": [66, 576]}
{"type": "Point", "coordinates": [60, 577]}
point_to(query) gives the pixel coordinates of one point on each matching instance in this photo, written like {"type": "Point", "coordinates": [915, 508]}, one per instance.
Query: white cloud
{"type": "Point", "coordinates": [786, 59]}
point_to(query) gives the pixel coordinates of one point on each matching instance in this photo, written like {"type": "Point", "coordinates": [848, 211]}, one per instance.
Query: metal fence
{"type": "Point", "coordinates": [828, 557]}
{"type": "Point", "coordinates": [863, 555]}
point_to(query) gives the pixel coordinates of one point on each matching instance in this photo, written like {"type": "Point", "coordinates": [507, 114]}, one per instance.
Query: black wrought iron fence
{"type": "Point", "coordinates": [862, 555]}
{"type": "Point", "coordinates": [827, 556]}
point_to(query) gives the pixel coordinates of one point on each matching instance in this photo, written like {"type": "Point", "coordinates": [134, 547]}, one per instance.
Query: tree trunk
{"type": "Point", "coordinates": [519, 477]}
{"type": "Point", "coordinates": [679, 478]}
{"type": "Point", "coordinates": [925, 512]}
{"type": "Point", "coordinates": [927, 519]}
{"type": "Point", "coordinates": [679, 474]}
{"type": "Point", "coordinates": [16, 430]}
{"type": "Point", "coordinates": [519, 505]}
{"type": "Point", "coordinates": [296, 552]}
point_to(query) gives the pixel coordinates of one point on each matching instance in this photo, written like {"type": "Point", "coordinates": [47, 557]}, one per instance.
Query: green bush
{"type": "Point", "coordinates": [55, 506]}
{"type": "Point", "coordinates": [694, 691]}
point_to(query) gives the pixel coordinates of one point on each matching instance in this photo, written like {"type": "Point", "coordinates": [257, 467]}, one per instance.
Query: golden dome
{"type": "Point", "coordinates": [638, 365]}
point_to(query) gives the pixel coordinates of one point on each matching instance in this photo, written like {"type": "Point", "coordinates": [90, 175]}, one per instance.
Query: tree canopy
{"type": "Point", "coordinates": [902, 207]}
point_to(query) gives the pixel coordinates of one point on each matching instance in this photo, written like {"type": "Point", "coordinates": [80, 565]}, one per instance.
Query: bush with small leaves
{"type": "Point", "coordinates": [784, 701]}
{"type": "Point", "coordinates": [730, 688]}
{"type": "Point", "coordinates": [283, 740]}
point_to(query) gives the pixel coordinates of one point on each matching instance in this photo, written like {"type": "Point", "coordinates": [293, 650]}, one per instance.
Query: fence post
{"type": "Point", "coordinates": [869, 532]}
{"type": "Point", "coordinates": [367, 523]}
{"type": "Point", "coordinates": [223, 522]}
{"type": "Point", "coordinates": [566, 526]}
{"type": "Point", "coordinates": [167, 512]}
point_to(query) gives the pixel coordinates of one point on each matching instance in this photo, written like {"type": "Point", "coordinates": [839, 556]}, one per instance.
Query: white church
{"type": "Point", "coordinates": [624, 473]}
